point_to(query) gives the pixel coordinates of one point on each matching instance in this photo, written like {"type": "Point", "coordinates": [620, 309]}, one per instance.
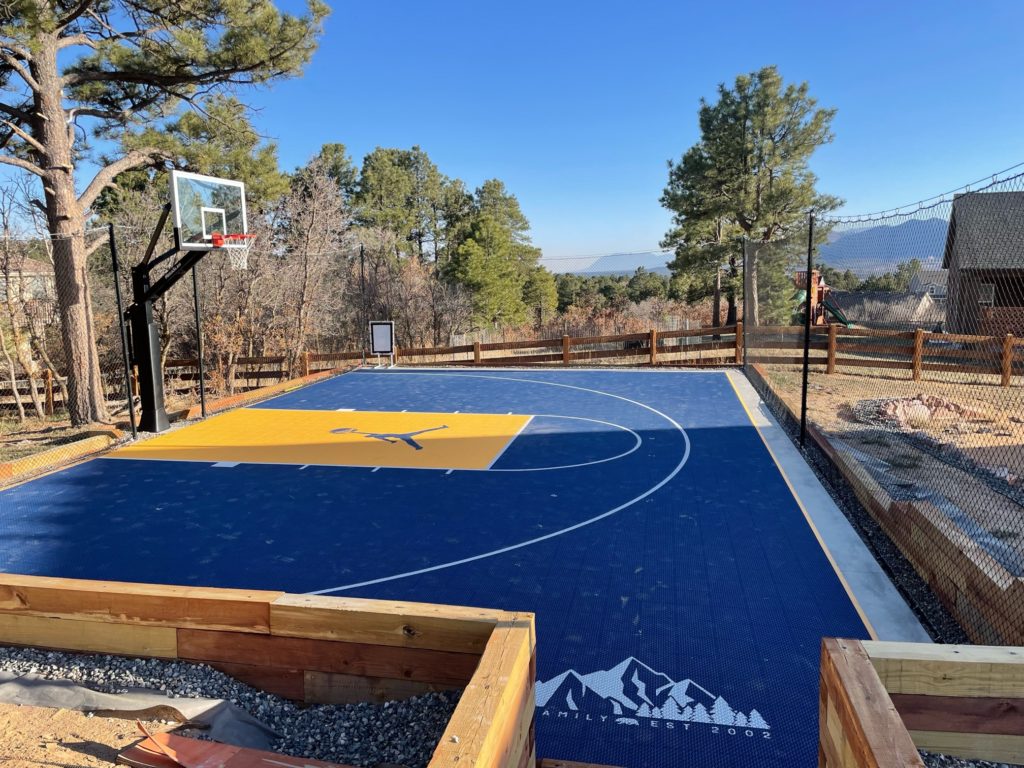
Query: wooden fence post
{"type": "Point", "coordinates": [305, 363]}
{"type": "Point", "coordinates": [1007, 367]}
{"type": "Point", "coordinates": [565, 350]}
{"type": "Point", "coordinates": [135, 381]}
{"type": "Point", "coordinates": [918, 353]}
{"type": "Point", "coordinates": [739, 342]}
{"type": "Point", "coordinates": [48, 378]}
{"type": "Point", "coordinates": [476, 353]}
{"type": "Point", "coordinates": [654, 346]}
{"type": "Point", "coordinates": [833, 331]}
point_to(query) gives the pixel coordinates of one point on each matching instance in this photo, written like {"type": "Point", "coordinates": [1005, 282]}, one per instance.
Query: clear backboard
{"type": "Point", "coordinates": [208, 211]}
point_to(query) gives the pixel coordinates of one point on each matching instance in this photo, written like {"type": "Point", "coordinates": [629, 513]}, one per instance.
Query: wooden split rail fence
{"type": "Point", "coordinates": [918, 351]}
{"type": "Point", "coordinates": [697, 347]}
{"type": "Point", "coordinates": [692, 347]}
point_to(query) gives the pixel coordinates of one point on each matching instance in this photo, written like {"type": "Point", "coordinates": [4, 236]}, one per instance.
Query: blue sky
{"type": "Point", "coordinates": [578, 105]}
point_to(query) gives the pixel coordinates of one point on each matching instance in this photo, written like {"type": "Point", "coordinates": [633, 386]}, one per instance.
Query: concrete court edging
{"type": "Point", "coordinates": [882, 604]}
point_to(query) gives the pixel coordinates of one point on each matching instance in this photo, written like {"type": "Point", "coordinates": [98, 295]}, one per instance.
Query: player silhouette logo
{"type": "Point", "coordinates": [390, 437]}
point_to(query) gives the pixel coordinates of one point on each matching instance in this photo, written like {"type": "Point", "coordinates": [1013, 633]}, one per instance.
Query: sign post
{"type": "Point", "coordinates": [382, 340]}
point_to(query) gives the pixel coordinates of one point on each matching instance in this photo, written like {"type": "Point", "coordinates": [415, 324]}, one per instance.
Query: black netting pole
{"type": "Point", "coordinates": [199, 344]}
{"type": "Point", "coordinates": [807, 328]}
{"type": "Point", "coordinates": [746, 300]}
{"type": "Point", "coordinates": [124, 336]}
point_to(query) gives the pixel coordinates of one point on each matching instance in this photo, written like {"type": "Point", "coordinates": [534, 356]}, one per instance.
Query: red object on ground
{"type": "Point", "coordinates": [165, 750]}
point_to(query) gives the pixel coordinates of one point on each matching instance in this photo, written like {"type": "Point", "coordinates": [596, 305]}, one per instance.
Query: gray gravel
{"type": "Point", "coordinates": [933, 760]}
{"type": "Point", "coordinates": [396, 732]}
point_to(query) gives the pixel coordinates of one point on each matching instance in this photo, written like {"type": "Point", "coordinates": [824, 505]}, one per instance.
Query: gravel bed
{"type": "Point", "coordinates": [396, 732]}
{"type": "Point", "coordinates": [934, 760]}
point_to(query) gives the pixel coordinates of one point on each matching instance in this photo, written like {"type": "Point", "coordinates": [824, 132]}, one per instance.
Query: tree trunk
{"type": "Point", "coordinates": [751, 265]}
{"type": "Point", "coordinates": [86, 402]}
{"type": "Point", "coordinates": [730, 313]}
{"type": "Point", "coordinates": [44, 353]}
{"type": "Point", "coordinates": [22, 348]}
{"type": "Point", "coordinates": [12, 376]}
{"type": "Point", "coordinates": [716, 302]}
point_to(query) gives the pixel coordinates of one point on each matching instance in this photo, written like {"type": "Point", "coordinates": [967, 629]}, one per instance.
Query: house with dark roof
{"type": "Point", "coordinates": [985, 257]}
{"type": "Point", "coordinates": [930, 281]}
{"type": "Point", "coordinates": [24, 279]}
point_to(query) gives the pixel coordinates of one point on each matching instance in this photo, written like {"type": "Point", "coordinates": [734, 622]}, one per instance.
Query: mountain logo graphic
{"type": "Point", "coordinates": [632, 690]}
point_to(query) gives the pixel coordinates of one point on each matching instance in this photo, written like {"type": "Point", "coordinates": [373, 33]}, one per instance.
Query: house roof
{"type": "Point", "coordinates": [986, 231]}
{"type": "Point", "coordinates": [19, 264]}
{"type": "Point", "coordinates": [924, 277]}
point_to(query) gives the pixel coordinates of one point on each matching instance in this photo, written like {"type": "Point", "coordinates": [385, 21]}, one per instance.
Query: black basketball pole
{"type": "Point", "coordinates": [807, 328]}
{"type": "Point", "coordinates": [144, 332]}
{"type": "Point", "coordinates": [124, 336]}
{"type": "Point", "coordinates": [199, 344]}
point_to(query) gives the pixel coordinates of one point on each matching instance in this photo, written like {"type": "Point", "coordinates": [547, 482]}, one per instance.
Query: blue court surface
{"type": "Point", "coordinates": [681, 595]}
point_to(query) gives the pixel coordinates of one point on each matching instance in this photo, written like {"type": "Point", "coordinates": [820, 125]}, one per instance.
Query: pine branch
{"type": "Point", "coordinates": [25, 165]}
{"type": "Point", "coordinates": [23, 73]}
{"type": "Point", "coordinates": [18, 112]}
{"type": "Point", "coordinates": [74, 13]}
{"type": "Point", "coordinates": [24, 135]}
{"type": "Point", "coordinates": [79, 39]}
{"type": "Point", "coordinates": [105, 177]}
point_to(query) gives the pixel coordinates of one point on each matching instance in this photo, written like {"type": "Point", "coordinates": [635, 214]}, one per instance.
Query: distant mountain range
{"type": "Point", "coordinates": [876, 250]}
{"type": "Point", "coordinates": [866, 251]}
{"type": "Point", "coordinates": [611, 264]}
{"type": "Point", "coordinates": [633, 690]}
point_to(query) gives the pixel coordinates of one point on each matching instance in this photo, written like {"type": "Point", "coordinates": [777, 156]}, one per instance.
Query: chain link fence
{"type": "Point", "coordinates": [915, 382]}
{"type": "Point", "coordinates": [35, 390]}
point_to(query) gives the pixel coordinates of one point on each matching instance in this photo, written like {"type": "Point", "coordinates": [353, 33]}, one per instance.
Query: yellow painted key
{"type": "Point", "coordinates": [338, 438]}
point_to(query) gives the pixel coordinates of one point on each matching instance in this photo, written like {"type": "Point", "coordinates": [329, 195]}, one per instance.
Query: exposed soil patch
{"type": "Point", "coordinates": [31, 737]}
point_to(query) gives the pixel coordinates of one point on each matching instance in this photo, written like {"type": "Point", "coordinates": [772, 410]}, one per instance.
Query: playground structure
{"type": "Point", "coordinates": [821, 301]}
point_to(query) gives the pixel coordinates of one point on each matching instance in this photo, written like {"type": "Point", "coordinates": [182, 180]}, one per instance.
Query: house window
{"type": "Point", "coordinates": [932, 289]}
{"type": "Point", "coordinates": [987, 294]}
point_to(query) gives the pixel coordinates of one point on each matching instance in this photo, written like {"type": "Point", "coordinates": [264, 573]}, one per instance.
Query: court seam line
{"type": "Point", "coordinates": [807, 517]}
{"type": "Point", "coordinates": [582, 524]}
{"type": "Point", "coordinates": [508, 444]}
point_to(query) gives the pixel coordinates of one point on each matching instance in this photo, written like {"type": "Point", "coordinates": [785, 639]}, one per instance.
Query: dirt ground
{"type": "Point", "coordinates": [33, 436]}
{"type": "Point", "coordinates": [995, 438]}
{"type": "Point", "coordinates": [31, 737]}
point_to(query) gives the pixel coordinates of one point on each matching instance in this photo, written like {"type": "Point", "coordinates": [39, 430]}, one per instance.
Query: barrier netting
{"type": "Point", "coordinates": [915, 385]}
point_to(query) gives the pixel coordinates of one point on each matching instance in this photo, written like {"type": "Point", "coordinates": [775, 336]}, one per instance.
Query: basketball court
{"type": "Point", "coordinates": [681, 592]}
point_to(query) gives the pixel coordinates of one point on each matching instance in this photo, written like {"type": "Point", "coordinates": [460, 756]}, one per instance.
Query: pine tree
{"type": "Point", "coordinates": [754, 720]}
{"type": "Point", "coordinates": [721, 712]}
{"type": "Point", "coordinates": [112, 68]}
{"type": "Point", "coordinates": [700, 714]}
{"type": "Point", "coordinates": [749, 173]}
{"type": "Point", "coordinates": [671, 710]}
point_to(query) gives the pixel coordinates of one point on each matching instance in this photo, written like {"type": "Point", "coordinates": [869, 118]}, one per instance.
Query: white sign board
{"type": "Point", "coordinates": [382, 337]}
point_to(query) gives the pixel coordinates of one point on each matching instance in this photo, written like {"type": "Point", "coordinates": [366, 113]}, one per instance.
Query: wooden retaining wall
{"type": "Point", "coordinates": [985, 598]}
{"type": "Point", "coordinates": [307, 648]}
{"type": "Point", "coordinates": [880, 702]}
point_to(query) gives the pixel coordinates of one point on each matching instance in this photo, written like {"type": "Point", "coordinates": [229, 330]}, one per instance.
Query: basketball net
{"type": "Point", "coordinates": [237, 246]}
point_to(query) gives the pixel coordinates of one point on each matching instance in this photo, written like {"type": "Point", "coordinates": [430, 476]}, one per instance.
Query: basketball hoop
{"type": "Point", "coordinates": [237, 245]}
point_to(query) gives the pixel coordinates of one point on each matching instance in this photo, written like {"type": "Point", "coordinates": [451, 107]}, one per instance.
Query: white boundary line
{"type": "Point", "coordinates": [538, 539]}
